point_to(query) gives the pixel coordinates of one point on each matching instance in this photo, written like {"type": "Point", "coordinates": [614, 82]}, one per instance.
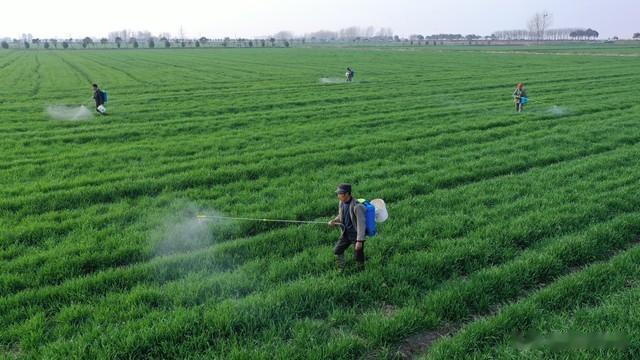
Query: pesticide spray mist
{"type": "Point", "coordinates": [69, 113]}
{"type": "Point", "coordinates": [333, 80]}
{"type": "Point", "coordinates": [182, 231]}
{"type": "Point", "coordinates": [556, 110]}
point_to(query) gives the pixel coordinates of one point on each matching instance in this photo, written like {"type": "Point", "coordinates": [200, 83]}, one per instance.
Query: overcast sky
{"type": "Point", "coordinates": [249, 18]}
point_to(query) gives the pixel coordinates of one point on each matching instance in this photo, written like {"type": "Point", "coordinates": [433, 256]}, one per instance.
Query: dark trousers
{"type": "Point", "coordinates": [345, 241]}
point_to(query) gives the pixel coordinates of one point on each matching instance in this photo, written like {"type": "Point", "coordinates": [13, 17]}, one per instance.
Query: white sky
{"type": "Point", "coordinates": [249, 18]}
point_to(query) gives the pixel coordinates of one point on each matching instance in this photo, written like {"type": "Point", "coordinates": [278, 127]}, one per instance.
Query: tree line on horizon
{"type": "Point", "coordinates": [538, 29]}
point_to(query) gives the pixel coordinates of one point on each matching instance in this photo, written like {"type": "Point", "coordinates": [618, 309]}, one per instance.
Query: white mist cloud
{"type": "Point", "coordinates": [181, 231]}
{"type": "Point", "coordinates": [69, 113]}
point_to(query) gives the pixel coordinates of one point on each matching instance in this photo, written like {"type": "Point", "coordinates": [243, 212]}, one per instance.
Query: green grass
{"type": "Point", "coordinates": [502, 224]}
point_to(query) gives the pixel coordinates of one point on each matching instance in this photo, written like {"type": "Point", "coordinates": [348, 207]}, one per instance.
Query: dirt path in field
{"type": "Point", "coordinates": [419, 344]}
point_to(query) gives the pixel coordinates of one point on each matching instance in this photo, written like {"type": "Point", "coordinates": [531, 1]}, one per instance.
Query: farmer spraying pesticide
{"type": "Point", "coordinates": [350, 74]}
{"type": "Point", "coordinates": [520, 97]}
{"type": "Point", "coordinates": [100, 97]}
{"type": "Point", "coordinates": [357, 219]}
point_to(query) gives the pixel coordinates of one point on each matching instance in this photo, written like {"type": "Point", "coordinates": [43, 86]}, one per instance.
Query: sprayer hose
{"type": "Point", "coordinates": [264, 220]}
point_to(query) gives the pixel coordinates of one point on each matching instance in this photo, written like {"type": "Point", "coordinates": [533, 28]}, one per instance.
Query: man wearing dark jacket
{"type": "Point", "coordinates": [99, 98]}
{"type": "Point", "coordinates": [351, 218]}
{"type": "Point", "coordinates": [350, 73]}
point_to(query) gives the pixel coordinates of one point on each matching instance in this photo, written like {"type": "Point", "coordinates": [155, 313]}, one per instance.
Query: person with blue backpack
{"type": "Point", "coordinates": [352, 218]}
{"type": "Point", "coordinates": [520, 97]}
{"type": "Point", "coordinates": [100, 97]}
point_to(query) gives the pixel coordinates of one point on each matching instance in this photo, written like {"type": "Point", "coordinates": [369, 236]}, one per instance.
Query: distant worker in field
{"type": "Point", "coordinates": [520, 97]}
{"type": "Point", "coordinates": [351, 218]}
{"type": "Point", "coordinates": [100, 97]}
{"type": "Point", "coordinates": [350, 74]}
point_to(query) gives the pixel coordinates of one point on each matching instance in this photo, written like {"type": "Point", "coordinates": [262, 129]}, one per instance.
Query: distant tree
{"type": "Point", "coordinates": [250, 43]}
{"type": "Point", "coordinates": [183, 44]}
{"type": "Point", "coordinates": [539, 24]}
{"type": "Point", "coordinates": [181, 34]}
{"type": "Point", "coordinates": [167, 44]}
{"type": "Point", "coordinates": [46, 44]}
{"type": "Point", "coordinates": [323, 35]}
{"type": "Point", "coordinates": [263, 43]}
{"type": "Point", "coordinates": [118, 41]}
{"type": "Point", "coordinates": [65, 45]}
{"type": "Point", "coordinates": [197, 43]}
{"type": "Point", "coordinates": [4, 44]}
{"type": "Point", "coordinates": [286, 43]}
{"type": "Point", "coordinates": [350, 33]}
{"type": "Point", "coordinates": [151, 44]}
{"type": "Point", "coordinates": [581, 34]}
{"type": "Point", "coordinates": [615, 38]}
{"type": "Point", "coordinates": [283, 35]}
{"type": "Point", "coordinates": [35, 42]}
{"type": "Point", "coordinates": [54, 42]}
{"type": "Point", "coordinates": [225, 42]}
{"type": "Point", "coordinates": [135, 44]}
{"type": "Point", "coordinates": [272, 41]}
{"type": "Point", "coordinates": [104, 41]}
{"type": "Point", "coordinates": [636, 35]}
{"type": "Point", "coordinates": [592, 34]}
{"type": "Point", "coordinates": [566, 34]}
{"type": "Point", "coordinates": [86, 42]}
{"type": "Point", "coordinates": [26, 45]}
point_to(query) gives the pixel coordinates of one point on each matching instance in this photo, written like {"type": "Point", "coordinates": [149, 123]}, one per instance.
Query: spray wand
{"type": "Point", "coordinates": [209, 217]}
